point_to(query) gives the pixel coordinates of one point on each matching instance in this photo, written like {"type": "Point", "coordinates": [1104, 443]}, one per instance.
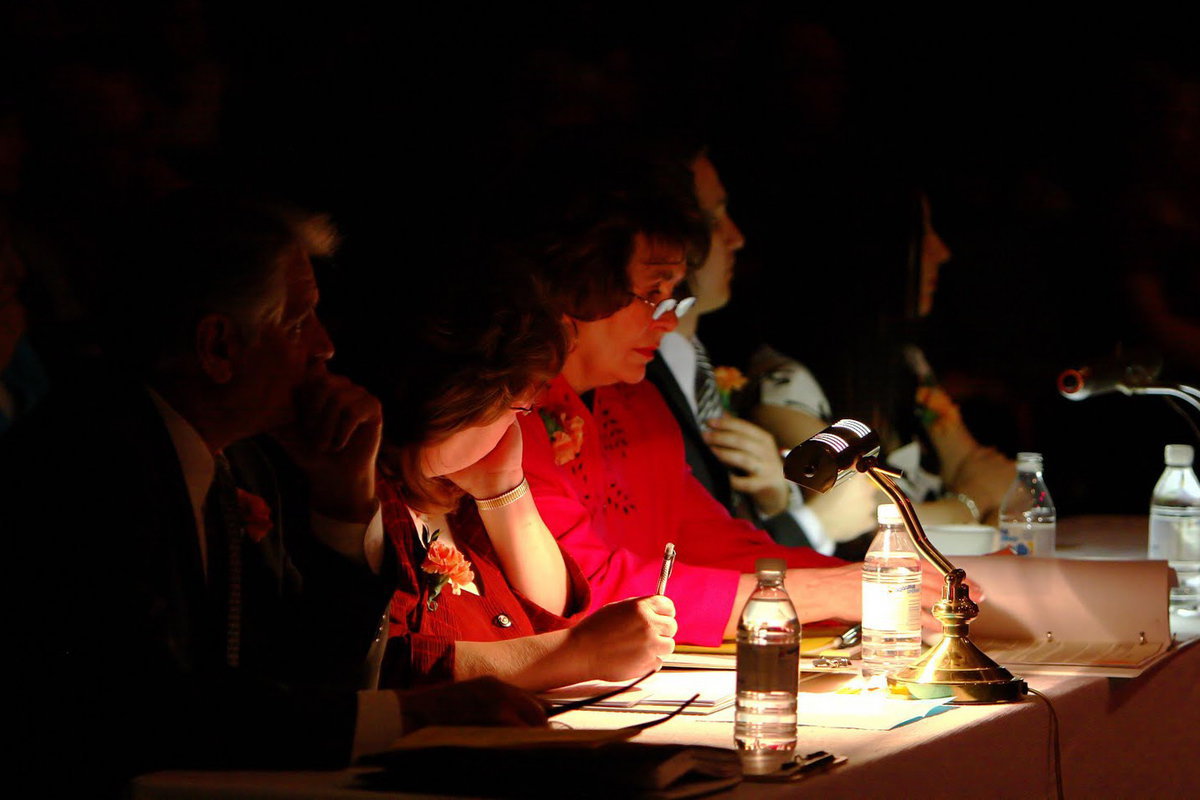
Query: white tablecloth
{"type": "Point", "coordinates": [1120, 738]}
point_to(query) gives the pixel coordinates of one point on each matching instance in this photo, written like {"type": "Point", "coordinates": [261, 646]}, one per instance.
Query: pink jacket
{"type": "Point", "coordinates": [615, 490]}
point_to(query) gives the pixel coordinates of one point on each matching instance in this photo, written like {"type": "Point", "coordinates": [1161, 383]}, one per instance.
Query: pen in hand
{"type": "Point", "coordinates": [667, 565]}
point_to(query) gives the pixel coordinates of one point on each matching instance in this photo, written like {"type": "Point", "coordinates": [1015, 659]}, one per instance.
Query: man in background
{"type": "Point", "coordinates": [736, 460]}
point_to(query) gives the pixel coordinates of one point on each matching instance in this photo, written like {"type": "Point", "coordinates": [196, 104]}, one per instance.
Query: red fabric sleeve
{"type": "Point", "coordinates": [715, 538]}
{"type": "Point", "coordinates": [412, 657]}
{"type": "Point", "coordinates": [703, 595]}
{"type": "Point", "coordinates": [579, 601]}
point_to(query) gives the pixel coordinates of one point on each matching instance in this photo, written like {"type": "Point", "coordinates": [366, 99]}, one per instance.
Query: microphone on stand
{"type": "Point", "coordinates": [1124, 375]}
{"type": "Point", "coordinates": [1130, 376]}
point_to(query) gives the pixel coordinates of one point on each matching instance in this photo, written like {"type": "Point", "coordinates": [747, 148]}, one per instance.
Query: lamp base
{"type": "Point", "coordinates": [956, 668]}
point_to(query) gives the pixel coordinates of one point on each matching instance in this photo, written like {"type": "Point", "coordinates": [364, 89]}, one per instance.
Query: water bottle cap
{"type": "Point", "coordinates": [774, 567]}
{"type": "Point", "coordinates": [889, 514]}
{"type": "Point", "coordinates": [1029, 462]}
{"type": "Point", "coordinates": [1178, 455]}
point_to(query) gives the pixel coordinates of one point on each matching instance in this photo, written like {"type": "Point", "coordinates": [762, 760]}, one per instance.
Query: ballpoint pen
{"type": "Point", "coordinates": [667, 565]}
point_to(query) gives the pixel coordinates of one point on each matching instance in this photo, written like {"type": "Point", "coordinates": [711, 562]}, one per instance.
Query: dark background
{"type": "Point", "coordinates": [1046, 147]}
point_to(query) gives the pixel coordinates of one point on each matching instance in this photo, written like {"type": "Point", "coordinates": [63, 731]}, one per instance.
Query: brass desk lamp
{"type": "Point", "coordinates": [955, 666]}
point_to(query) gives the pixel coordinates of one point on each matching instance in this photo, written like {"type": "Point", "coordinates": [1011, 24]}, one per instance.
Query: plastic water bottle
{"type": "Point", "coordinates": [891, 597]}
{"type": "Point", "coordinates": [1175, 527]}
{"type": "Point", "coordinates": [1027, 518]}
{"type": "Point", "coordinates": [768, 670]}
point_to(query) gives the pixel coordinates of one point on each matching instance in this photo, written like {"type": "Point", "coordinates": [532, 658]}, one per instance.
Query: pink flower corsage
{"type": "Point", "coordinates": [566, 435]}
{"type": "Point", "coordinates": [445, 565]}
{"type": "Point", "coordinates": [255, 515]}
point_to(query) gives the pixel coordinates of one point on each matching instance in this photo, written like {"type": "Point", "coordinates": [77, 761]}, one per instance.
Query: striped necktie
{"type": "Point", "coordinates": [223, 529]}
{"type": "Point", "coordinates": [708, 399]}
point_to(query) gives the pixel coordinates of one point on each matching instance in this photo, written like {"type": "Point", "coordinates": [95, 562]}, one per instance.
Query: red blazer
{"type": "Point", "coordinates": [421, 644]}
{"type": "Point", "coordinates": [628, 492]}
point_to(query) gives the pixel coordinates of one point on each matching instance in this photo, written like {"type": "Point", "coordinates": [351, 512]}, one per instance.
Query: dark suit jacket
{"type": "Point", "coordinates": [708, 469]}
{"type": "Point", "coordinates": [121, 650]}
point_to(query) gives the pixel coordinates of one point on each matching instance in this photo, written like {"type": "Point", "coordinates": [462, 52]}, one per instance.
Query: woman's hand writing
{"type": "Point", "coordinates": [626, 639]}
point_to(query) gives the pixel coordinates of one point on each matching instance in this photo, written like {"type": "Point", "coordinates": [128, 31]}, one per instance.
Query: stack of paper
{"type": "Point", "coordinates": [871, 711]}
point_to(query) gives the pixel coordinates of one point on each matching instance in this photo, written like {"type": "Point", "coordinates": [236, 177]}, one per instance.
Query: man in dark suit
{"type": "Point", "coordinates": [716, 443]}
{"type": "Point", "coordinates": [184, 594]}
{"type": "Point", "coordinates": [736, 460]}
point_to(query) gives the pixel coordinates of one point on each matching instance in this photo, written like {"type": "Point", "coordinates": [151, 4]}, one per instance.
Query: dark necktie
{"type": "Point", "coordinates": [708, 399]}
{"type": "Point", "coordinates": [223, 529]}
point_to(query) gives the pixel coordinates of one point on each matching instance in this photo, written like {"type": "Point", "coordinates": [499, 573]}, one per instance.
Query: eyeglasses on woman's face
{"type": "Point", "coordinates": [680, 307]}
{"type": "Point", "coordinates": [528, 403]}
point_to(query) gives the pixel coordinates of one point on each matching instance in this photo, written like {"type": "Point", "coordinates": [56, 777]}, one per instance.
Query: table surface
{"type": "Point", "coordinates": [1103, 536]}
{"type": "Point", "coordinates": [1120, 737]}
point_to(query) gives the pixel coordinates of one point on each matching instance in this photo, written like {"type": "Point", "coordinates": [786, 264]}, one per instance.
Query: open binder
{"type": "Point", "coordinates": [508, 762]}
{"type": "Point", "coordinates": [1074, 617]}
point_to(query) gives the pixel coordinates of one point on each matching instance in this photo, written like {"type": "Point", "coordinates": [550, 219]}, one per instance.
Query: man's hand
{"type": "Point", "coordinates": [497, 472]}
{"type": "Point", "coordinates": [335, 440]}
{"type": "Point", "coordinates": [482, 701]}
{"type": "Point", "coordinates": [745, 446]}
{"type": "Point", "coordinates": [626, 639]}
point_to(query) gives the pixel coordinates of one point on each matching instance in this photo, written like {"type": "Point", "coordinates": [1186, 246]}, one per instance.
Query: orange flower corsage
{"type": "Point", "coordinates": [728, 380]}
{"type": "Point", "coordinates": [566, 435]}
{"type": "Point", "coordinates": [936, 409]}
{"type": "Point", "coordinates": [445, 565]}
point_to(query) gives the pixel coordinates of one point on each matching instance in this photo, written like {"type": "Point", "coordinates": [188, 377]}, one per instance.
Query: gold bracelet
{"type": "Point", "coordinates": [966, 500]}
{"type": "Point", "coordinates": [506, 499]}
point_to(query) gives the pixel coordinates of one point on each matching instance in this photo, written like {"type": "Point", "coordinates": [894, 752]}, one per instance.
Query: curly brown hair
{"type": "Point", "coordinates": [471, 352]}
{"type": "Point", "coordinates": [588, 201]}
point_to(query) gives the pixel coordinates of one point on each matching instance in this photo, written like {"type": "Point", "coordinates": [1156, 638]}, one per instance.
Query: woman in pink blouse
{"type": "Point", "coordinates": [483, 588]}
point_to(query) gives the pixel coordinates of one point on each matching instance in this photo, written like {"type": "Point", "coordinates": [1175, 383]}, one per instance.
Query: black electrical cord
{"type": "Point", "coordinates": [1054, 743]}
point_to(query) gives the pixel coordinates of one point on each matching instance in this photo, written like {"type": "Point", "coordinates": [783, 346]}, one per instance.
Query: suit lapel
{"type": "Point", "coordinates": [166, 534]}
{"type": "Point", "coordinates": [705, 465]}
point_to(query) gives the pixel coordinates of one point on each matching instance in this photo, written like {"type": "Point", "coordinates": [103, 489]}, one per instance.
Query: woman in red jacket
{"type": "Point", "coordinates": [483, 587]}
{"type": "Point", "coordinates": [604, 456]}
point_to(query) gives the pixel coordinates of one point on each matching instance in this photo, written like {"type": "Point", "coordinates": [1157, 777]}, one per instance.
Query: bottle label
{"type": "Point", "coordinates": [1028, 539]}
{"type": "Point", "coordinates": [891, 607]}
{"type": "Point", "coordinates": [1174, 538]}
{"type": "Point", "coordinates": [768, 667]}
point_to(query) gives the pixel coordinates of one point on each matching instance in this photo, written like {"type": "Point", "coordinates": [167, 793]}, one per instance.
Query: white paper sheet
{"type": "Point", "coordinates": [867, 712]}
